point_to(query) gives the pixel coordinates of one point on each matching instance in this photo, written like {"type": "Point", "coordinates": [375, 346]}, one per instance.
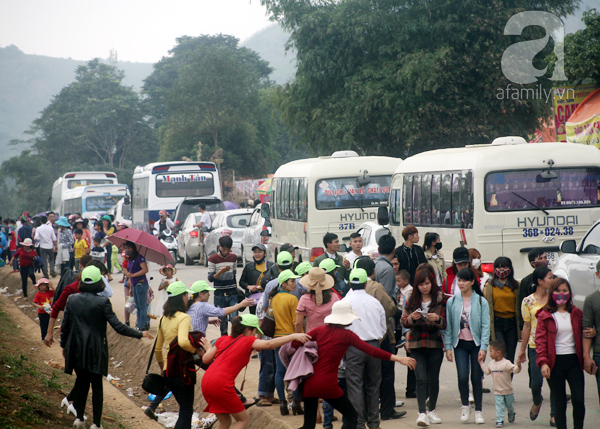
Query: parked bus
{"type": "Point", "coordinates": [336, 193]}
{"type": "Point", "coordinates": [75, 179]}
{"type": "Point", "coordinates": [503, 198]}
{"type": "Point", "coordinates": [94, 199]}
{"type": "Point", "coordinates": [163, 185]}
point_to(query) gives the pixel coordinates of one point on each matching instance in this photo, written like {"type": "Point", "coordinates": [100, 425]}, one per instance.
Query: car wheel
{"type": "Point", "coordinates": [187, 260]}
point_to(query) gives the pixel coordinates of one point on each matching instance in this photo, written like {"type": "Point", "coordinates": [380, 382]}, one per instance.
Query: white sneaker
{"type": "Point", "coordinates": [399, 403]}
{"type": "Point", "coordinates": [471, 399]}
{"type": "Point", "coordinates": [422, 420]}
{"type": "Point", "coordinates": [433, 417]}
{"type": "Point", "coordinates": [465, 413]}
{"type": "Point", "coordinates": [64, 403]}
{"type": "Point", "coordinates": [479, 418]}
{"type": "Point", "coordinates": [71, 409]}
{"type": "Point", "coordinates": [96, 427]}
{"type": "Point", "coordinates": [78, 424]}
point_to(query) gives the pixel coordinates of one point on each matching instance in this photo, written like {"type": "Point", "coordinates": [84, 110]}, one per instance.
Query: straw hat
{"type": "Point", "coordinates": [162, 270]}
{"type": "Point", "coordinates": [44, 281]}
{"type": "Point", "coordinates": [341, 314]}
{"type": "Point", "coordinates": [318, 281]}
{"type": "Point", "coordinates": [27, 242]}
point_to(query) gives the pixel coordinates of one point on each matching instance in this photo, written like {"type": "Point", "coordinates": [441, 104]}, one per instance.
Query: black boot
{"type": "Point", "coordinates": [297, 408]}
{"type": "Point", "coordinates": [284, 408]}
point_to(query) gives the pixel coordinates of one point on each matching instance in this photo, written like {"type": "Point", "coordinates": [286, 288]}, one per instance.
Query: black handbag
{"type": "Point", "coordinates": [154, 383]}
{"type": "Point", "coordinates": [267, 324]}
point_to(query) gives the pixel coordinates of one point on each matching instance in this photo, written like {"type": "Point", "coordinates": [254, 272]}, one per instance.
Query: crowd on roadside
{"type": "Point", "coordinates": [329, 330]}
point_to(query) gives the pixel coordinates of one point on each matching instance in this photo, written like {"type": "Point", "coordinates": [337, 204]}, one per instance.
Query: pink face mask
{"type": "Point", "coordinates": [502, 273]}
{"type": "Point", "coordinates": [561, 298]}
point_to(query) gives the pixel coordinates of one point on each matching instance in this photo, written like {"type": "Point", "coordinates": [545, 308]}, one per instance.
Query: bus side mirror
{"type": "Point", "coordinates": [127, 200]}
{"type": "Point", "coordinates": [343, 248]}
{"type": "Point", "coordinates": [265, 211]}
{"type": "Point", "coordinates": [568, 246]}
{"type": "Point", "coordinates": [383, 217]}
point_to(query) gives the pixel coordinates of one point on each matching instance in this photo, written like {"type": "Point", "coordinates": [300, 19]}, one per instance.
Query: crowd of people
{"type": "Point", "coordinates": [331, 330]}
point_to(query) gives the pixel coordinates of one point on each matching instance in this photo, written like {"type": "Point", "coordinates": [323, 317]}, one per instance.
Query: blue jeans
{"type": "Point", "coordinates": [224, 299]}
{"type": "Point", "coordinates": [140, 297]}
{"type": "Point", "coordinates": [185, 398]}
{"type": "Point", "coordinates": [504, 403]}
{"type": "Point", "coordinates": [465, 355]}
{"type": "Point", "coordinates": [266, 377]}
{"type": "Point", "coordinates": [536, 381]}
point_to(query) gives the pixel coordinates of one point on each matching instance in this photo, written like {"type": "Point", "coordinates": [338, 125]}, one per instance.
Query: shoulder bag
{"type": "Point", "coordinates": [267, 324]}
{"type": "Point", "coordinates": [154, 383]}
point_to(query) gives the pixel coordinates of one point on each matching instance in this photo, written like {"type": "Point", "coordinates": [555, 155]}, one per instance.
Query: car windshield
{"type": "Point", "coordinates": [189, 207]}
{"type": "Point", "coordinates": [239, 220]}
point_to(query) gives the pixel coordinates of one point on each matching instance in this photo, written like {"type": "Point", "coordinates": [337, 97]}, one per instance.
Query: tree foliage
{"type": "Point", "coordinates": [94, 123]}
{"type": "Point", "coordinates": [582, 50]}
{"type": "Point", "coordinates": [403, 76]}
{"type": "Point", "coordinates": [209, 90]}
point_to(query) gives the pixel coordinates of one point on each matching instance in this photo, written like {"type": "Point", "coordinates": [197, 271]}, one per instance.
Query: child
{"type": "Point", "coordinates": [80, 247]}
{"type": "Point", "coordinates": [502, 370]}
{"type": "Point", "coordinates": [168, 272]}
{"type": "Point", "coordinates": [403, 290]}
{"type": "Point", "coordinates": [98, 252]}
{"type": "Point", "coordinates": [26, 254]}
{"type": "Point", "coordinates": [42, 302]}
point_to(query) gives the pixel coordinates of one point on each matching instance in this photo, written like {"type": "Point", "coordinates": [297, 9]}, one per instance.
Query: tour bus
{"type": "Point", "coordinates": [75, 179]}
{"type": "Point", "coordinates": [503, 198]}
{"type": "Point", "coordinates": [93, 200]}
{"type": "Point", "coordinates": [336, 194]}
{"type": "Point", "coordinates": [163, 185]}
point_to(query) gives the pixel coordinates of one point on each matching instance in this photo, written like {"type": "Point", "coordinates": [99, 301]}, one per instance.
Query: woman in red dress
{"type": "Point", "coordinates": [333, 339]}
{"type": "Point", "coordinates": [230, 355]}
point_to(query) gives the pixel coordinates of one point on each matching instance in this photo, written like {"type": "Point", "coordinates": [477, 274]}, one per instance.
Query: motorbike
{"type": "Point", "coordinates": [167, 237]}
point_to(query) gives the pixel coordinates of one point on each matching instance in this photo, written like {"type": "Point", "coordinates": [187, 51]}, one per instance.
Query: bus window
{"type": "Point", "coordinates": [466, 195]}
{"type": "Point", "coordinates": [408, 196]}
{"type": "Point", "coordinates": [456, 203]}
{"type": "Point", "coordinates": [285, 198]}
{"type": "Point", "coordinates": [435, 199]}
{"type": "Point", "coordinates": [446, 198]}
{"type": "Point", "coordinates": [140, 192]}
{"type": "Point", "coordinates": [293, 198]}
{"type": "Point", "coordinates": [347, 193]}
{"type": "Point", "coordinates": [184, 185]}
{"type": "Point", "coordinates": [426, 199]}
{"type": "Point", "coordinates": [395, 207]}
{"type": "Point", "coordinates": [416, 201]}
{"type": "Point", "coordinates": [101, 203]}
{"type": "Point", "coordinates": [72, 184]}
{"type": "Point", "coordinates": [517, 190]}
{"type": "Point", "coordinates": [302, 200]}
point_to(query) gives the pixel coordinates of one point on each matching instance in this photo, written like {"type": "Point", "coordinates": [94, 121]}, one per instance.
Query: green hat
{"type": "Point", "coordinates": [285, 275]}
{"type": "Point", "coordinates": [200, 286]}
{"type": "Point", "coordinates": [177, 288]}
{"type": "Point", "coordinates": [106, 217]}
{"type": "Point", "coordinates": [91, 275]}
{"type": "Point", "coordinates": [328, 265]}
{"type": "Point", "coordinates": [358, 276]}
{"type": "Point", "coordinates": [284, 259]}
{"type": "Point", "coordinates": [303, 268]}
{"type": "Point", "coordinates": [251, 321]}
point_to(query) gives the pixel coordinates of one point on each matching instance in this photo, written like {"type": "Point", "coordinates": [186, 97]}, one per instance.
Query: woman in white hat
{"type": "Point", "coordinates": [26, 255]}
{"type": "Point", "coordinates": [333, 339]}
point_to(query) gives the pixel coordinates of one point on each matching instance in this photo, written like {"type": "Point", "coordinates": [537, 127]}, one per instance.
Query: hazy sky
{"type": "Point", "coordinates": [140, 30]}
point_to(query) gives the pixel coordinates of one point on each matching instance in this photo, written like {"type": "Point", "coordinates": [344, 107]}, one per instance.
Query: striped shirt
{"type": "Point", "coordinates": [199, 312]}
{"type": "Point", "coordinates": [226, 280]}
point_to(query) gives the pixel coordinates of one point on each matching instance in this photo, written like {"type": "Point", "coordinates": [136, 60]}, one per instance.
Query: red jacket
{"type": "Point", "coordinates": [61, 302]}
{"type": "Point", "coordinates": [545, 337]}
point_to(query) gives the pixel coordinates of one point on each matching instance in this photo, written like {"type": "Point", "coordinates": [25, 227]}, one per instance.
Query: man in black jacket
{"type": "Point", "coordinates": [410, 254]}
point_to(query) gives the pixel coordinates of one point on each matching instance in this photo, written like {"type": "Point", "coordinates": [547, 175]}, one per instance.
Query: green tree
{"type": "Point", "coordinates": [582, 50]}
{"type": "Point", "coordinates": [403, 76]}
{"type": "Point", "coordinates": [209, 90]}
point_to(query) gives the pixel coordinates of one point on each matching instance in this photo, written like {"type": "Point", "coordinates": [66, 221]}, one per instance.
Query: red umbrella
{"type": "Point", "coordinates": [147, 245]}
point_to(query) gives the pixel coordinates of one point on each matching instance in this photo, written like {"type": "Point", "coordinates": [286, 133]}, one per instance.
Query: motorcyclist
{"type": "Point", "coordinates": [164, 223]}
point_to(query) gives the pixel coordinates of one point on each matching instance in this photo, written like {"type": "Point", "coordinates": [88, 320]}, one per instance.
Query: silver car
{"type": "Point", "coordinates": [252, 235]}
{"type": "Point", "coordinates": [187, 239]}
{"type": "Point", "coordinates": [229, 222]}
{"type": "Point", "coordinates": [371, 232]}
{"type": "Point", "coordinates": [577, 264]}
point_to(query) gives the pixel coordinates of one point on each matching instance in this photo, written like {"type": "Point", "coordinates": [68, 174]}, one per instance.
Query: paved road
{"type": "Point", "coordinates": [448, 404]}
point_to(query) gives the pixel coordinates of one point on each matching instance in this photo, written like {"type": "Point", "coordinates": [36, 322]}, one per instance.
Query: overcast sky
{"type": "Point", "coordinates": [140, 30]}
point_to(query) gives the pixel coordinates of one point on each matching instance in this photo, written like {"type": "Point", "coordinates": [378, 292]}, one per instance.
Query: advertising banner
{"type": "Point", "coordinates": [584, 124]}
{"type": "Point", "coordinates": [565, 100]}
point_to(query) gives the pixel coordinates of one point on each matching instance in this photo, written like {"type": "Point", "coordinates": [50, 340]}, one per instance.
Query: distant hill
{"type": "Point", "coordinates": [270, 45]}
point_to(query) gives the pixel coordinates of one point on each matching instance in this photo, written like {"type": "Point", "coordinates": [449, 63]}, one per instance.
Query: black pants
{"type": "Point", "coordinates": [567, 369]}
{"type": "Point", "coordinates": [109, 258]}
{"type": "Point", "coordinates": [26, 272]}
{"type": "Point", "coordinates": [387, 392]}
{"type": "Point", "coordinates": [411, 380]}
{"type": "Point", "coordinates": [342, 404]}
{"type": "Point", "coordinates": [184, 394]}
{"type": "Point", "coordinates": [81, 390]}
{"type": "Point", "coordinates": [429, 362]}
{"type": "Point", "coordinates": [44, 320]}
{"type": "Point", "coordinates": [506, 330]}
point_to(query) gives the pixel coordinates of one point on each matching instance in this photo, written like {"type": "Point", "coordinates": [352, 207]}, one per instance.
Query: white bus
{"type": "Point", "coordinates": [75, 179]}
{"type": "Point", "coordinates": [503, 198]}
{"type": "Point", "coordinates": [336, 193]}
{"type": "Point", "coordinates": [94, 199]}
{"type": "Point", "coordinates": [163, 185]}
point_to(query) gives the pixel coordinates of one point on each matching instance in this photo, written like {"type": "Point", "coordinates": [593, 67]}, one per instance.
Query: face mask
{"type": "Point", "coordinates": [561, 298]}
{"type": "Point", "coordinates": [476, 263]}
{"type": "Point", "coordinates": [128, 253]}
{"type": "Point", "coordinates": [502, 273]}
{"type": "Point", "coordinates": [438, 246]}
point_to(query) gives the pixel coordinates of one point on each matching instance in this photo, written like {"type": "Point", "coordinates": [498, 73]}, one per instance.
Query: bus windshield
{"type": "Point", "coordinates": [529, 189]}
{"type": "Point", "coordinates": [101, 203]}
{"type": "Point", "coordinates": [184, 185]}
{"type": "Point", "coordinates": [345, 192]}
{"type": "Point", "coordinates": [76, 183]}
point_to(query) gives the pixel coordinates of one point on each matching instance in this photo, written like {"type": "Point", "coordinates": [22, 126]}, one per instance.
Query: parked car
{"type": "Point", "coordinates": [230, 222]}
{"type": "Point", "coordinates": [577, 264]}
{"type": "Point", "coordinates": [190, 205]}
{"type": "Point", "coordinates": [371, 232]}
{"type": "Point", "coordinates": [188, 246]}
{"type": "Point", "coordinates": [251, 235]}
